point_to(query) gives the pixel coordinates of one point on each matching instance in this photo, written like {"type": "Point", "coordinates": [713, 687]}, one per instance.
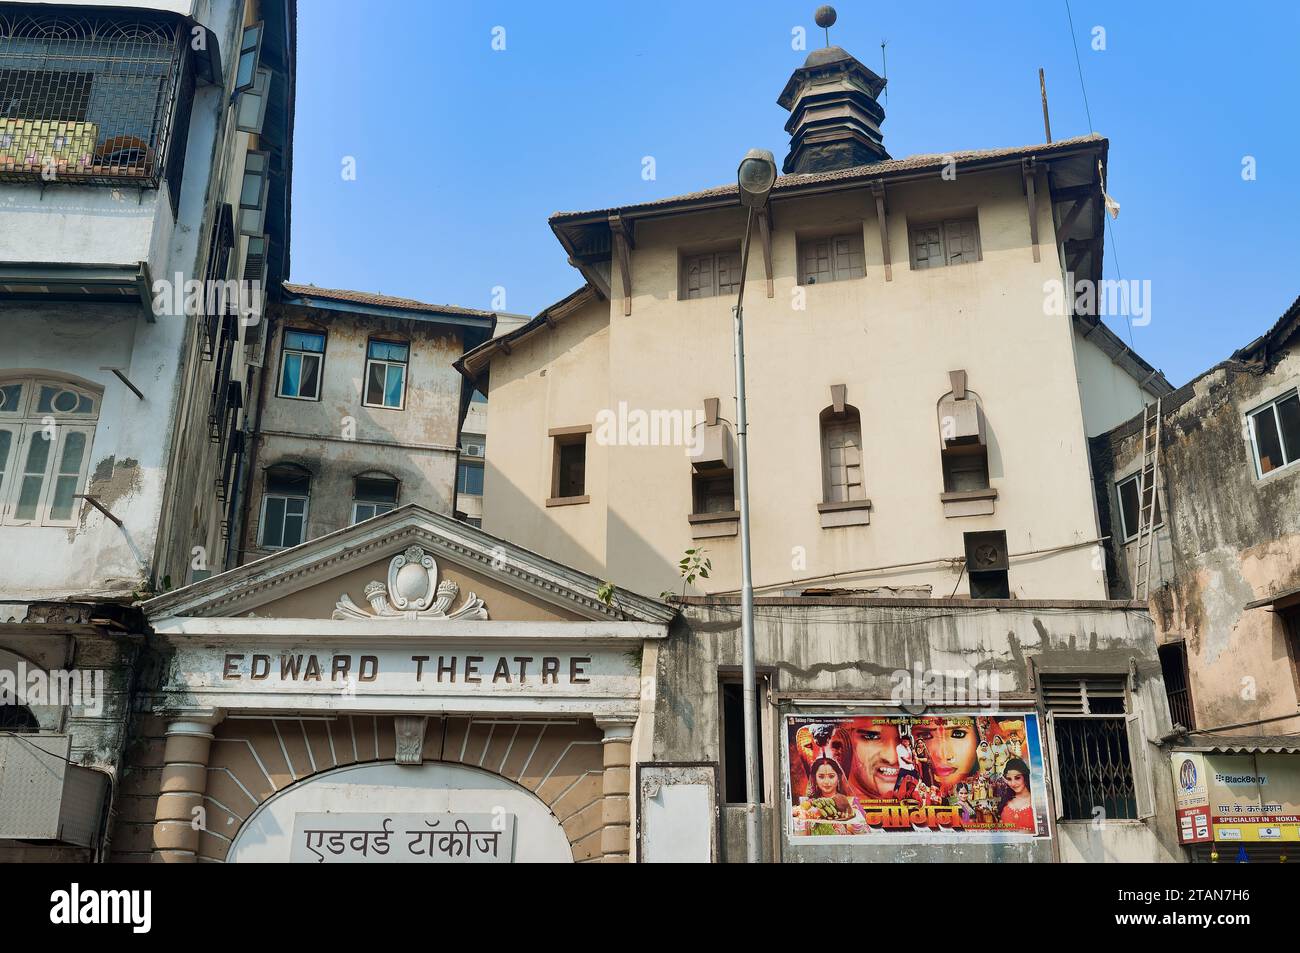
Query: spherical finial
{"type": "Point", "coordinates": [825, 17]}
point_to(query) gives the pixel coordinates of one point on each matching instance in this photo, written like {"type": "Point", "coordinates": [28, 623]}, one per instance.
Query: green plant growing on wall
{"type": "Point", "coordinates": [694, 564]}
{"type": "Point", "coordinates": [605, 593]}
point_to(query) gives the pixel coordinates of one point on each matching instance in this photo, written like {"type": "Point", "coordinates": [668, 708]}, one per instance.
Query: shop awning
{"type": "Point", "coordinates": [1242, 744]}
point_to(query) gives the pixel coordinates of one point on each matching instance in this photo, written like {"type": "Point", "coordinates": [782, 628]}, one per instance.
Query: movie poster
{"type": "Point", "coordinates": [959, 774]}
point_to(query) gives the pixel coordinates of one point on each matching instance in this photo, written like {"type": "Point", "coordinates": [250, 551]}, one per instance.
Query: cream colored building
{"type": "Point", "coordinates": [921, 393]}
{"type": "Point", "coordinates": [853, 335]}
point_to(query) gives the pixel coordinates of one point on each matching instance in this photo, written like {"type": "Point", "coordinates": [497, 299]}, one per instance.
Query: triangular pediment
{"type": "Point", "coordinates": [410, 563]}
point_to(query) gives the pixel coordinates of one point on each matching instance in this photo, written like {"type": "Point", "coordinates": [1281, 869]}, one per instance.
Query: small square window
{"type": "Point", "coordinates": [710, 274]}
{"type": "Point", "coordinates": [1129, 510]}
{"type": "Point", "coordinates": [939, 244]}
{"type": "Point", "coordinates": [714, 491]}
{"type": "Point", "coordinates": [835, 258]}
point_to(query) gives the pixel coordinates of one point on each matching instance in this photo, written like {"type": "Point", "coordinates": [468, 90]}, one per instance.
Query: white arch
{"type": "Point", "coordinates": [435, 787]}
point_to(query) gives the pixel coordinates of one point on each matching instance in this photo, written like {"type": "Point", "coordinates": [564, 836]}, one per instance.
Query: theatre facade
{"type": "Point", "coordinates": [406, 689]}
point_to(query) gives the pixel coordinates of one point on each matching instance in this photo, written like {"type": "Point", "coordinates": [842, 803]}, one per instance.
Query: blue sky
{"type": "Point", "coordinates": [462, 151]}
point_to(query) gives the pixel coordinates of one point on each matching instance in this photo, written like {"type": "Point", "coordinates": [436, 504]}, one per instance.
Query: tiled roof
{"type": "Point", "coordinates": [866, 172]}
{"type": "Point", "coordinates": [380, 301]}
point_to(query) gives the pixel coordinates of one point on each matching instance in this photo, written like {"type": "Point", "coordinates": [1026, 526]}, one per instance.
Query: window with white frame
{"type": "Point", "coordinates": [1130, 510]}
{"type": "Point", "coordinates": [954, 241]}
{"type": "Point", "coordinates": [1093, 736]}
{"type": "Point", "coordinates": [1275, 433]}
{"type": "Point", "coordinates": [386, 374]}
{"type": "Point", "coordinates": [284, 506]}
{"type": "Point", "coordinates": [373, 495]}
{"type": "Point", "coordinates": [834, 258]}
{"type": "Point", "coordinates": [301, 358]}
{"type": "Point", "coordinates": [709, 274]}
{"type": "Point", "coordinates": [46, 429]}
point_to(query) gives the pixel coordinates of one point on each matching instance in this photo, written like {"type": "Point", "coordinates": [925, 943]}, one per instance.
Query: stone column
{"type": "Point", "coordinates": [184, 780]}
{"type": "Point", "coordinates": [616, 808]}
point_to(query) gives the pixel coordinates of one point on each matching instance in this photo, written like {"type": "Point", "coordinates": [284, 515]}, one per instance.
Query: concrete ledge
{"type": "Point", "coordinates": [567, 500]}
{"type": "Point", "coordinates": [711, 525]}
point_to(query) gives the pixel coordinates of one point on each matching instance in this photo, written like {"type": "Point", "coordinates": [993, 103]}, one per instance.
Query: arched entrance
{"type": "Point", "coordinates": [434, 787]}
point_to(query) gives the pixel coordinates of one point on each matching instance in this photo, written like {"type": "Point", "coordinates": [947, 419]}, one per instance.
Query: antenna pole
{"type": "Point", "coordinates": [1042, 89]}
{"type": "Point", "coordinates": [884, 69]}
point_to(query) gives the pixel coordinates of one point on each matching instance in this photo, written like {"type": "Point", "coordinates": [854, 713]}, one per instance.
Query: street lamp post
{"type": "Point", "coordinates": [756, 176]}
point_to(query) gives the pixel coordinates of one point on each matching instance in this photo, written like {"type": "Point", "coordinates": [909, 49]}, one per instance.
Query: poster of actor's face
{"type": "Point", "coordinates": [957, 774]}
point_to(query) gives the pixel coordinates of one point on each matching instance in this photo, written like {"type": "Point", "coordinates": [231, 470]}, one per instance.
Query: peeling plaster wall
{"type": "Point", "coordinates": [138, 444]}
{"type": "Point", "coordinates": [852, 653]}
{"type": "Point", "coordinates": [1229, 538]}
{"type": "Point", "coordinates": [128, 453]}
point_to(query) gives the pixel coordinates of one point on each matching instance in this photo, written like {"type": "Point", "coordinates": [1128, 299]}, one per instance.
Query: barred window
{"type": "Point", "coordinates": [90, 99]}
{"type": "Point", "coordinates": [1092, 732]}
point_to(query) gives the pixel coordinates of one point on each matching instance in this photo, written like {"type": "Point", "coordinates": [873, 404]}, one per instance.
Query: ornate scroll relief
{"type": "Point", "coordinates": [412, 592]}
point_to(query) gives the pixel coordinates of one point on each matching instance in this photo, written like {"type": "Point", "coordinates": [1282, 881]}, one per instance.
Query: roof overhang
{"type": "Point", "coordinates": [485, 321]}
{"type": "Point", "coordinates": [475, 362]}
{"type": "Point", "coordinates": [1286, 599]}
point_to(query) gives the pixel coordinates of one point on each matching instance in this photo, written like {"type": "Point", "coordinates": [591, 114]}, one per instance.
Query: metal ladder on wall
{"type": "Point", "coordinates": [1148, 498]}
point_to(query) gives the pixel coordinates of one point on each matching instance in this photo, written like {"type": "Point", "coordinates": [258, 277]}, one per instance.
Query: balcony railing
{"type": "Point", "coordinates": [90, 99]}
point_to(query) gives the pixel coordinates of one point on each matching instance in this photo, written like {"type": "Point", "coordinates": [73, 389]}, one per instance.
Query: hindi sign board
{"type": "Point", "coordinates": [403, 838]}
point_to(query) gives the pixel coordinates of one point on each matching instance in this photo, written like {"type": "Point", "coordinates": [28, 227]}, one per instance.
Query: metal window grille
{"type": "Point", "coordinates": [1173, 665]}
{"type": "Point", "coordinates": [1094, 764]}
{"type": "Point", "coordinates": [90, 99]}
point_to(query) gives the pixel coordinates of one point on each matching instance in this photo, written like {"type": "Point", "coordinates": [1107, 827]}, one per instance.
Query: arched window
{"type": "Point", "coordinates": [842, 455]}
{"type": "Point", "coordinates": [18, 718]}
{"type": "Point", "coordinates": [46, 429]}
{"type": "Point", "coordinates": [284, 506]}
{"type": "Point", "coordinates": [373, 494]}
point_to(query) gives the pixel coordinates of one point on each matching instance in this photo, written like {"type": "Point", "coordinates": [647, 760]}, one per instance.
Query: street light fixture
{"type": "Point", "coordinates": [755, 177]}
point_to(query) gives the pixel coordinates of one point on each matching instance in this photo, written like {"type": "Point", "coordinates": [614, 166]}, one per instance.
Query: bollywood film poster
{"type": "Point", "coordinates": [968, 775]}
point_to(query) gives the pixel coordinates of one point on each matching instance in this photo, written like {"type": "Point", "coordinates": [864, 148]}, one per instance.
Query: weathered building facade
{"type": "Point", "coordinates": [1224, 585]}
{"type": "Point", "coordinates": [408, 677]}
{"type": "Point", "coordinates": [358, 414]}
{"type": "Point", "coordinates": [145, 153]}
{"type": "Point", "coordinates": [942, 673]}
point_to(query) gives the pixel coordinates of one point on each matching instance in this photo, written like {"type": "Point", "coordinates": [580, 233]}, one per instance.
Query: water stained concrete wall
{"type": "Point", "coordinates": [1231, 536]}
{"type": "Point", "coordinates": [832, 651]}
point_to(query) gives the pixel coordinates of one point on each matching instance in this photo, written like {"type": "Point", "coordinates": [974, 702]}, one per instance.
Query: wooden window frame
{"type": "Point", "coordinates": [942, 226]}
{"type": "Point", "coordinates": [562, 437]}
{"type": "Point", "coordinates": [683, 266]}
{"type": "Point", "coordinates": [854, 237]}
